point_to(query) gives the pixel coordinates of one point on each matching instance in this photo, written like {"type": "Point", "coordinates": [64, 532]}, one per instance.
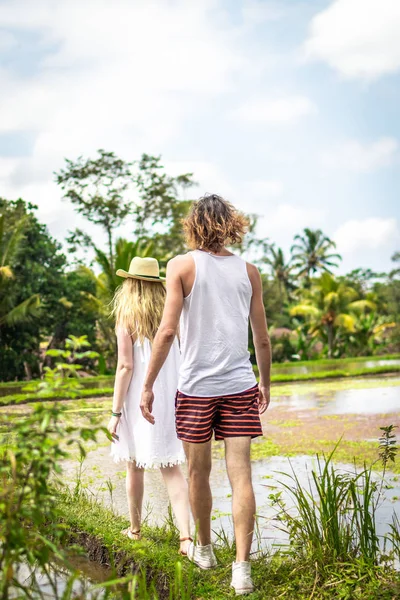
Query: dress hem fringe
{"type": "Point", "coordinates": [154, 465]}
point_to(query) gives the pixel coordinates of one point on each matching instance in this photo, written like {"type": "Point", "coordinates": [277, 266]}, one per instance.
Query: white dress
{"type": "Point", "coordinates": [151, 446]}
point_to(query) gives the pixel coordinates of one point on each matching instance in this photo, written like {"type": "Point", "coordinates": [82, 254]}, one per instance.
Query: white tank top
{"type": "Point", "coordinates": [214, 328]}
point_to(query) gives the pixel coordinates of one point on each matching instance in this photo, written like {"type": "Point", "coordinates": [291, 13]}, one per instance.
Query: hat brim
{"type": "Point", "coordinates": [126, 275]}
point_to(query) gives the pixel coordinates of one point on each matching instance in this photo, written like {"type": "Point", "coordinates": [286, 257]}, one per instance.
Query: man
{"type": "Point", "coordinates": [215, 293]}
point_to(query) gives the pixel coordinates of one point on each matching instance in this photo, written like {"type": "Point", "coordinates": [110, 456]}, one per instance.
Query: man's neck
{"type": "Point", "coordinates": [221, 252]}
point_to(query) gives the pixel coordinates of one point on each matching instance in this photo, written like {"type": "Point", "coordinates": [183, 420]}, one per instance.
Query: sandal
{"type": "Point", "coordinates": [185, 539]}
{"type": "Point", "coordinates": [132, 535]}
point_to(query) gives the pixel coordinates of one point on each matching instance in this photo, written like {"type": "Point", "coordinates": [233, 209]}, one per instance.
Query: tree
{"type": "Point", "coordinates": [369, 330]}
{"type": "Point", "coordinates": [106, 190]}
{"type": "Point", "coordinates": [281, 270]}
{"type": "Point", "coordinates": [310, 253]}
{"type": "Point", "coordinates": [97, 188]}
{"type": "Point", "coordinates": [38, 271]}
{"type": "Point", "coordinates": [12, 310]}
{"type": "Point", "coordinates": [254, 247]}
{"type": "Point", "coordinates": [396, 259]}
{"type": "Point", "coordinates": [158, 195]}
{"type": "Point", "coordinates": [329, 306]}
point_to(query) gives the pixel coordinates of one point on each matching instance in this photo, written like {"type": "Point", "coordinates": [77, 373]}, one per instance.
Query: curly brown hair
{"type": "Point", "coordinates": [213, 222]}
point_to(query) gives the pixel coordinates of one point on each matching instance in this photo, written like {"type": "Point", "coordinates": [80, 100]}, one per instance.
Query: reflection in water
{"type": "Point", "coordinates": [362, 401]}
{"type": "Point", "coordinates": [293, 369]}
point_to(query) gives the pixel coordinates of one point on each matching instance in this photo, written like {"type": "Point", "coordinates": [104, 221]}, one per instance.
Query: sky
{"type": "Point", "coordinates": [287, 108]}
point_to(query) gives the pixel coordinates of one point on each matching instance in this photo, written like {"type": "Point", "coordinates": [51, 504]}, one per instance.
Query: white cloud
{"type": "Point", "coordinates": [7, 41]}
{"type": "Point", "coordinates": [274, 110]}
{"type": "Point", "coordinates": [374, 233]}
{"type": "Point", "coordinates": [283, 221]}
{"type": "Point", "coordinates": [124, 75]}
{"type": "Point", "coordinates": [358, 38]}
{"type": "Point", "coordinates": [264, 189]}
{"type": "Point", "coordinates": [208, 177]}
{"type": "Point", "coordinates": [256, 12]}
{"type": "Point", "coordinates": [356, 156]}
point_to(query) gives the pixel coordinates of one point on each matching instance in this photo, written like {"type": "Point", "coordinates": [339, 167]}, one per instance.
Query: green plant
{"type": "Point", "coordinates": [388, 445]}
{"type": "Point", "coordinates": [30, 531]}
{"type": "Point", "coordinates": [64, 377]}
{"type": "Point", "coordinates": [334, 519]}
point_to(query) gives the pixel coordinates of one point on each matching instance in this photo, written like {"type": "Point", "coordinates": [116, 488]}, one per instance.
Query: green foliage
{"type": "Point", "coordinates": [388, 445]}
{"type": "Point", "coordinates": [97, 188]}
{"type": "Point", "coordinates": [31, 534]}
{"type": "Point", "coordinates": [43, 302]}
{"type": "Point", "coordinates": [328, 305]}
{"type": "Point", "coordinates": [63, 379]}
{"type": "Point", "coordinates": [158, 193]}
{"type": "Point", "coordinates": [311, 253]}
{"type": "Point", "coordinates": [106, 190]}
{"type": "Point", "coordinates": [335, 518]}
{"type": "Point", "coordinates": [13, 311]}
{"type": "Point", "coordinates": [281, 270]}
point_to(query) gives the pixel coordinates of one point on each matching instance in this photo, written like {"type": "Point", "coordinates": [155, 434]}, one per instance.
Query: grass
{"type": "Point", "coordinates": [23, 398]}
{"type": "Point", "coordinates": [320, 563]}
{"type": "Point", "coordinates": [26, 398]}
{"type": "Point", "coordinates": [91, 379]}
{"type": "Point", "coordinates": [337, 373]}
{"type": "Point", "coordinates": [275, 378]}
{"type": "Point", "coordinates": [335, 361]}
{"type": "Point", "coordinates": [293, 576]}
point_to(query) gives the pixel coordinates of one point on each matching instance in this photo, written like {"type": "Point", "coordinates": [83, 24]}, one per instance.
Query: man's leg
{"type": "Point", "coordinates": [237, 456]}
{"type": "Point", "coordinates": [199, 467]}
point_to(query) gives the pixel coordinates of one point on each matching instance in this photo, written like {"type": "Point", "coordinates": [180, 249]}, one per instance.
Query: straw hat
{"type": "Point", "coordinates": [146, 269]}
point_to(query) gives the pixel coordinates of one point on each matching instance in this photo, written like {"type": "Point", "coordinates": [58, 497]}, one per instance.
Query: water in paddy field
{"type": "Point", "coordinates": [277, 369]}
{"type": "Point", "coordinates": [293, 369]}
{"type": "Point", "coordinates": [359, 401]}
{"type": "Point", "coordinates": [319, 404]}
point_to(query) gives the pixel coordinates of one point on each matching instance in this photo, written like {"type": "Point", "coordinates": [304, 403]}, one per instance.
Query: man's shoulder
{"type": "Point", "coordinates": [180, 262]}
{"type": "Point", "coordinates": [252, 270]}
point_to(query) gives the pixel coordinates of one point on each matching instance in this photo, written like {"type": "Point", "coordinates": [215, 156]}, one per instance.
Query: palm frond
{"type": "Point", "coordinates": [361, 306]}
{"type": "Point", "coordinates": [10, 248]}
{"type": "Point", "coordinates": [346, 321]}
{"type": "Point", "coordinates": [6, 272]}
{"type": "Point", "coordinates": [24, 311]}
{"type": "Point", "coordinates": [304, 310]}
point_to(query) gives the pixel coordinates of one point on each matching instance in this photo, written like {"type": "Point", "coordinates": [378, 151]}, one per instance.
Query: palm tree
{"type": "Point", "coordinates": [281, 270]}
{"type": "Point", "coordinates": [310, 253]}
{"type": "Point", "coordinates": [10, 312]}
{"type": "Point", "coordinates": [330, 306]}
{"type": "Point", "coordinates": [396, 259]}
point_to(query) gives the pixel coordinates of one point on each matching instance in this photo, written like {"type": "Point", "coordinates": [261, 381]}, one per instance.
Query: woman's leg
{"type": "Point", "coordinates": [178, 494]}
{"type": "Point", "coordinates": [134, 492]}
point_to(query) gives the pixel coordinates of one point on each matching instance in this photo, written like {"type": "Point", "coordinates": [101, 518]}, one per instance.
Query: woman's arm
{"type": "Point", "coordinates": [123, 376]}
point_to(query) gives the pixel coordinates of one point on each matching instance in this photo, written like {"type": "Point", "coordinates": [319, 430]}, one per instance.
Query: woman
{"type": "Point", "coordinates": [137, 306]}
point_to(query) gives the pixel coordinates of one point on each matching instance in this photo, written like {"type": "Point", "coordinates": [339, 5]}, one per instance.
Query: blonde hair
{"type": "Point", "coordinates": [138, 307]}
{"type": "Point", "coordinates": [214, 222]}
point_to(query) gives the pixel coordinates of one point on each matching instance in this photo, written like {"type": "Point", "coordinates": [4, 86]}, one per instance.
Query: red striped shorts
{"type": "Point", "coordinates": [229, 416]}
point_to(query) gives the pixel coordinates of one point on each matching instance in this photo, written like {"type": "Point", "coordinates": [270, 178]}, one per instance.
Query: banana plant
{"type": "Point", "coordinates": [11, 312]}
{"type": "Point", "coordinates": [330, 306]}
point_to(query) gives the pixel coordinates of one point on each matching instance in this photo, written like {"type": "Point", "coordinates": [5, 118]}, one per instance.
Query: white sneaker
{"type": "Point", "coordinates": [241, 578]}
{"type": "Point", "coordinates": [202, 556]}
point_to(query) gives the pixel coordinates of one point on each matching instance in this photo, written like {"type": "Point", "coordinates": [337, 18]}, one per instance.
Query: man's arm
{"type": "Point", "coordinates": [164, 337]}
{"type": "Point", "coordinates": [261, 339]}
